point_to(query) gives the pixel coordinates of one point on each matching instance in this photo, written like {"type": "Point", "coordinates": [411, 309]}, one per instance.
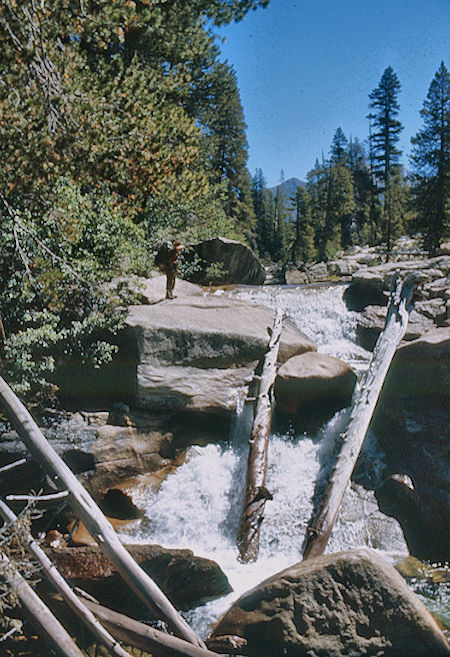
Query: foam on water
{"type": "Point", "coordinates": [320, 312]}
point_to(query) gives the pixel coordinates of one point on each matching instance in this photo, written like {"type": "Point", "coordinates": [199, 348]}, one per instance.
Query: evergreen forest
{"type": "Point", "coordinates": [364, 193]}
{"type": "Point", "coordinates": [121, 126]}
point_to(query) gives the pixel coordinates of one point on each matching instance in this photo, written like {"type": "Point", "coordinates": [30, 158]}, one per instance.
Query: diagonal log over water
{"type": "Point", "coordinates": [96, 523]}
{"type": "Point", "coordinates": [364, 406]}
{"type": "Point", "coordinates": [256, 492]}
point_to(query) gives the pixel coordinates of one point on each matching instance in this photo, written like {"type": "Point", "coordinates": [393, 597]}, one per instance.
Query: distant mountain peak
{"type": "Point", "coordinates": [288, 186]}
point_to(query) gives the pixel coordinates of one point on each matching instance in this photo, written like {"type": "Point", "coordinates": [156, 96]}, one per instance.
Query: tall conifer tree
{"type": "Point", "coordinates": [263, 208]}
{"type": "Point", "coordinates": [431, 161]}
{"type": "Point", "coordinates": [384, 138]}
{"type": "Point", "coordinates": [280, 227]}
{"type": "Point", "coordinates": [303, 247]}
{"type": "Point", "coordinates": [338, 148]}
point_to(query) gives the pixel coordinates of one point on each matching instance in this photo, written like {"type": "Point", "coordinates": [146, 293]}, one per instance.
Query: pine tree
{"type": "Point", "coordinates": [281, 214]}
{"type": "Point", "coordinates": [331, 190]}
{"type": "Point", "coordinates": [317, 188]}
{"type": "Point", "coordinates": [303, 248]}
{"type": "Point", "coordinates": [386, 130]}
{"type": "Point", "coordinates": [263, 208]}
{"type": "Point", "coordinates": [225, 142]}
{"type": "Point", "coordinates": [106, 95]}
{"type": "Point", "coordinates": [431, 161]}
{"type": "Point", "coordinates": [338, 147]}
{"type": "Point", "coordinates": [363, 229]}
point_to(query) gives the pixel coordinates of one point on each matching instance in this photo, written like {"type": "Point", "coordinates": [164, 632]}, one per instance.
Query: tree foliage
{"type": "Point", "coordinates": [303, 248]}
{"type": "Point", "coordinates": [264, 210]}
{"type": "Point", "coordinates": [119, 124]}
{"type": "Point", "coordinates": [384, 137]}
{"type": "Point", "coordinates": [431, 161]}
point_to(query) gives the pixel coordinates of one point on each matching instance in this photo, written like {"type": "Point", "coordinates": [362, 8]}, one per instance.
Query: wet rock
{"type": "Point", "coordinates": [369, 325]}
{"type": "Point", "coordinates": [122, 452]}
{"type": "Point", "coordinates": [371, 322]}
{"type": "Point", "coordinates": [410, 567]}
{"type": "Point", "coordinates": [106, 456]}
{"type": "Point", "coordinates": [200, 356]}
{"type": "Point", "coordinates": [415, 435]}
{"type": "Point", "coordinates": [313, 383]}
{"type": "Point", "coordinates": [221, 261]}
{"type": "Point", "coordinates": [365, 289]}
{"type": "Point", "coordinates": [420, 367]}
{"type": "Point", "coordinates": [411, 425]}
{"type": "Point", "coordinates": [187, 580]}
{"type": "Point", "coordinates": [420, 516]}
{"type": "Point", "coordinates": [351, 603]}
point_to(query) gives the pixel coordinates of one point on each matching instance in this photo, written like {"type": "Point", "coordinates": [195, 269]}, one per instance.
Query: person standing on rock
{"type": "Point", "coordinates": [167, 260]}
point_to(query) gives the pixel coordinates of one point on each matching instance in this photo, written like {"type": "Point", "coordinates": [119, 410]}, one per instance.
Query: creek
{"type": "Point", "coordinates": [198, 507]}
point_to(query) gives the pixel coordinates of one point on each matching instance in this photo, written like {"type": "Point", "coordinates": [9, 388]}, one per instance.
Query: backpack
{"type": "Point", "coordinates": [162, 255]}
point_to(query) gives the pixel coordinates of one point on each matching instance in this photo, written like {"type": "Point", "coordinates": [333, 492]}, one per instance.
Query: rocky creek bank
{"type": "Point", "coordinates": [411, 419]}
{"type": "Point", "coordinates": [185, 366]}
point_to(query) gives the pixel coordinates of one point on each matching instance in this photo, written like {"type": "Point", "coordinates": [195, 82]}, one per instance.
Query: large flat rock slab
{"type": "Point", "coordinates": [174, 388]}
{"type": "Point", "coordinates": [200, 353]}
{"type": "Point", "coordinates": [210, 331]}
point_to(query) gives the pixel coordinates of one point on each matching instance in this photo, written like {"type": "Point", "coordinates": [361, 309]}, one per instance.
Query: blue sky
{"type": "Point", "coordinates": [306, 68]}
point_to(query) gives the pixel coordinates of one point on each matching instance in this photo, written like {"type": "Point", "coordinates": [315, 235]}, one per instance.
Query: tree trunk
{"type": "Point", "coordinates": [144, 637]}
{"type": "Point", "coordinates": [98, 526]}
{"type": "Point", "coordinates": [353, 438]}
{"type": "Point", "coordinates": [60, 584]}
{"type": "Point", "coordinates": [41, 617]}
{"type": "Point", "coordinates": [256, 492]}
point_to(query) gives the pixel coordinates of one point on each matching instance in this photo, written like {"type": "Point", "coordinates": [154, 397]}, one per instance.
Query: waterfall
{"type": "Point", "coordinates": [199, 506]}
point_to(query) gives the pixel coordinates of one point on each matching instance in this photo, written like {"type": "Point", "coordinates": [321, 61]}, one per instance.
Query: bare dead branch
{"type": "Point", "coordinates": [37, 498]}
{"type": "Point", "coordinates": [10, 466]}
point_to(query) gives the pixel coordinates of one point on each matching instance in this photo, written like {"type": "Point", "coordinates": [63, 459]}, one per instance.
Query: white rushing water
{"type": "Point", "coordinates": [198, 507]}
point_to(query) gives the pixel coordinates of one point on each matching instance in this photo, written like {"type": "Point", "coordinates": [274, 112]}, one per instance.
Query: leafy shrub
{"type": "Point", "coordinates": [54, 301]}
{"type": "Point", "coordinates": [190, 221]}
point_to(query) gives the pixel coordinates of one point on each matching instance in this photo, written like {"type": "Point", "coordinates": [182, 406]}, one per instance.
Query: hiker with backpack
{"type": "Point", "coordinates": [167, 260]}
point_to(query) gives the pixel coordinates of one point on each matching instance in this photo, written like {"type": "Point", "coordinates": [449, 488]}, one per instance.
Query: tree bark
{"type": "Point", "coordinates": [41, 617]}
{"type": "Point", "coordinates": [256, 491]}
{"type": "Point", "coordinates": [364, 406]}
{"type": "Point", "coordinates": [144, 637]}
{"type": "Point", "coordinates": [98, 526]}
{"type": "Point", "coordinates": [58, 581]}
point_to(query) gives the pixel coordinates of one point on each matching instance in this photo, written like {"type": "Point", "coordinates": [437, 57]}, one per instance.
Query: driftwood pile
{"type": "Point", "coordinates": [110, 627]}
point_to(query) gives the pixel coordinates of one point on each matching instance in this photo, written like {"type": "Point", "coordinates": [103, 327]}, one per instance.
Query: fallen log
{"type": "Point", "coordinates": [256, 491]}
{"type": "Point", "coordinates": [98, 526]}
{"type": "Point", "coordinates": [364, 406]}
{"type": "Point", "coordinates": [60, 584]}
{"type": "Point", "coordinates": [143, 637]}
{"type": "Point", "coordinates": [46, 624]}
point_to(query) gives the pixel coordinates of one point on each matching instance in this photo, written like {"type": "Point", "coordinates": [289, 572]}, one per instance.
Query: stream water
{"type": "Point", "coordinates": [198, 507]}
